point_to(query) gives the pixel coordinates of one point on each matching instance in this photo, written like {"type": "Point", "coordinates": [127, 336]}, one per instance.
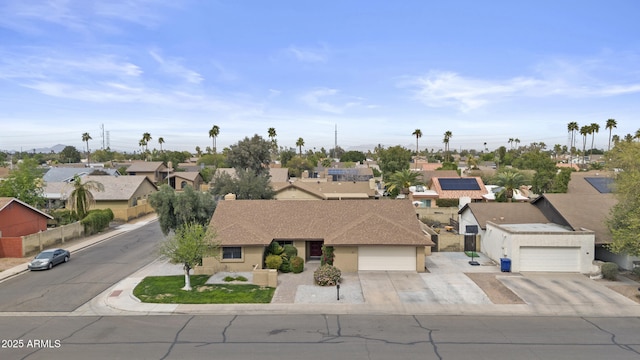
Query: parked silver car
{"type": "Point", "coordinates": [48, 259]}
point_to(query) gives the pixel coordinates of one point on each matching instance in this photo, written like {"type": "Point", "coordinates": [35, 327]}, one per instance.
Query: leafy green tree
{"type": "Point", "coordinates": [624, 219]}
{"type": "Point", "coordinates": [246, 185]}
{"type": "Point", "coordinates": [176, 209]}
{"type": "Point", "coordinates": [298, 165]}
{"type": "Point", "coordinates": [251, 154]}
{"type": "Point", "coordinates": [24, 183]}
{"type": "Point", "coordinates": [217, 160]}
{"type": "Point", "coordinates": [286, 155]}
{"type": "Point", "coordinates": [81, 198]}
{"type": "Point", "coordinates": [393, 159]}
{"type": "Point", "coordinates": [188, 246]}
{"type": "Point", "coordinates": [69, 155]}
{"type": "Point", "coordinates": [561, 181]}
{"type": "Point", "coordinates": [353, 156]}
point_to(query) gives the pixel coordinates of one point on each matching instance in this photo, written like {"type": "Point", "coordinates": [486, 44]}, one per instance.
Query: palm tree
{"type": "Point", "coordinates": [418, 134]}
{"type": "Point", "coordinates": [510, 180]}
{"type": "Point", "coordinates": [517, 141]}
{"type": "Point", "coordinates": [146, 137]}
{"type": "Point", "coordinates": [300, 144]}
{"type": "Point", "coordinates": [142, 144]}
{"type": "Point", "coordinates": [557, 149]}
{"type": "Point", "coordinates": [637, 135]}
{"type": "Point", "coordinates": [161, 141]}
{"type": "Point", "coordinates": [611, 124]}
{"type": "Point", "coordinates": [86, 137]}
{"type": "Point", "coordinates": [584, 131]}
{"type": "Point", "coordinates": [213, 133]}
{"type": "Point", "coordinates": [198, 151]}
{"type": "Point", "coordinates": [510, 142]}
{"type": "Point", "coordinates": [595, 128]}
{"type": "Point", "coordinates": [572, 127]}
{"type": "Point", "coordinates": [447, 136]}
{"type": "Point", "coordinates": [402, 180]}
{"type": "Point", "coordinates": [615, 139]}
{"type": "Point", "coordinates": [81, 197]}
{"type": "Point", "coordinates": [274, 142]}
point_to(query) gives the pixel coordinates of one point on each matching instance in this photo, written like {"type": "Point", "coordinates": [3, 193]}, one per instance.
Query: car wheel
{"type": "Point", "coordinates": [50, 265]}
{"type": "Point", "coordinates": [66, 258]}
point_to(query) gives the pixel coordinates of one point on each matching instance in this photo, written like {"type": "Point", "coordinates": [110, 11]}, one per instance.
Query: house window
{"type": "Point", "coordinates": [284, 242]}
{"type": "Point", "coordinates": [183, 184]}
{"type": "Point", "coordinates": [231, 252]}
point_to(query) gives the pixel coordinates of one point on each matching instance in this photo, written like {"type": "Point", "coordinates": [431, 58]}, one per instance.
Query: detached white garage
{"type": "Point", "coordinates": [387, 258]}
{"type": "Point", "coordinates": [540, 247]}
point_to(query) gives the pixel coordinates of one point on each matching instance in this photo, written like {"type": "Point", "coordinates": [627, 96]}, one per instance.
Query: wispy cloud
{"type": "Point", "coordinates": [173, 67]}
{"type": "Point", "coordinates": [558, 78]}
{"type": "Point", "coordinates": [309, 54]}
{"type": "Point", "coordinates": [316, 99]}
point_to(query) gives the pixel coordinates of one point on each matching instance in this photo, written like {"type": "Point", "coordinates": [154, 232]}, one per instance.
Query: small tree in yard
{"type": "Point", "coordinates": [188, 246]}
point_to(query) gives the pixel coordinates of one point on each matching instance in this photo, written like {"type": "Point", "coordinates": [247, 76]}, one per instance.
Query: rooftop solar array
{"type": "Point", "coordinates": [338, 171]}
{"type": "Point", "coordinates": [604, 185]}
{"type": "Point", "coordinates": [459, 184]}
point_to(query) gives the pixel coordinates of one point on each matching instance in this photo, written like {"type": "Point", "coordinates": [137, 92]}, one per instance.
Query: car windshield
{"type": "Point", "coordinates": [45, 255]}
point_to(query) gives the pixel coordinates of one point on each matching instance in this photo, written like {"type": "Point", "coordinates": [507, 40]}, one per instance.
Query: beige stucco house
{"type": "Point", "coordinates": [365, 234]}
{"type": "Point", "coordinates": [156, 171]}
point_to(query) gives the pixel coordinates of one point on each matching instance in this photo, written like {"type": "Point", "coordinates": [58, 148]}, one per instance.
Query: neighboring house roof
{"type": "Point", "coordinates": [455, 188]}
{"type": "Point", "coordinates": [5, 201]}
{"type": "Point", "coordinates": [591, 182]}
{"type": "Point", "coordinates": [331, 190]}
{"type": "Point", "coordinates": [504, 213]}
{"type": "Point", "coordinates": [115, 188]}
{"type": "Point", "coordinates": [518, 194]}
{"type": "Point", "coordinates": [355, 222]}
{"type": "Point", "coordinates": [66, 174]}
{"type": "Point", "coordinates": [4, 172]}
{"type": "Point", "coordinates": [565, 165]}
{"type": "Point", "coordinates": [579, 212]}
{"type": "Point", "coordinates": [230, 171]}
{"type": "Point", "coordinates": [187, 175]}
{"type": "Point", "coordinates": [145, 166]}
{"type": "Point", "coordinates": [427, 175]}
{"type": "Point", "coordinates": [279, 174]}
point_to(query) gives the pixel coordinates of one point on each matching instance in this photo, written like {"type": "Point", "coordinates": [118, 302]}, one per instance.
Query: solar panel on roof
{"type": "Point", "coordinates": [604, 185]}
{"type": "Point", "coordinates": [459, 184]}
{"type": "Point", "coordinates": [334, 171]}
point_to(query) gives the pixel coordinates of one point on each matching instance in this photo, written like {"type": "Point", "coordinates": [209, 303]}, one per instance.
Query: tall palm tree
{"type": "Point", "coordinates": [637, 135]}
{"type": "Point", "coordinates": [86, 137]}
{"type": "Point", "coordinates": [557, 149]}
{"type": "Point", "coordinates": [615, 139]}
{"type": "Point", "coordinates": [584, 131]}
{"type": "Point", "coordinates": [418, 134]}
{"type": "Point", "coordinates": [611, 124]}
{"type": "Point", "coordinates": [142, 144]}
{"type": "Point", "coordinates": [300, 144]}
{"type": "Point", "coordinates": [572, 127]}
{"type": "Point", "coordinates": [146, 137]}
{"type": "Point", "coordinates": [161, 141]}
{"type": "Point", "coordinates": [213, 133]}
{"type": "Point", "coordinates": [517, 141]}
{"type": "Point", "coordinates": [447, 137]}
{"type": "Point", "coordinates": [510, 180]}
{"type": "Point", "coordinates": [81, 197]}
{"type": "Point", "coordinates": [510, 142]}
{"type": "Point", "coordinates": [595, 128]}
{"type": "Point", "coordinates": [274, 142]}
{"type": "Point", "coordinates": [401, 180]}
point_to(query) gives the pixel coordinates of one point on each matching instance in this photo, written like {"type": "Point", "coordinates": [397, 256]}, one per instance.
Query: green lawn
{"type": "Point", "coordinates": [167, 290]}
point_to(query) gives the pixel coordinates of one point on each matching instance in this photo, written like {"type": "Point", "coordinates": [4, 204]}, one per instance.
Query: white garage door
{"type": "Point", "coordinates": [557, 259]}
{"type": "Point", "coordinates": [387, 258]}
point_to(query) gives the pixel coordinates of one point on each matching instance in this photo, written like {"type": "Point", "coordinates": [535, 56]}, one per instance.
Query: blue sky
{"type": "Point", "coordinates": [486, 71]}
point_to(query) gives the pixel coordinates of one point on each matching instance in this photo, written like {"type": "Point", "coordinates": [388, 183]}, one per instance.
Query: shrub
{"type": "Point", "coordinates": [273, 261]}
{"type": "Point", "coordinates": [275, 249]}
{"type": "Point", "coordinates": [327, 275]}
{"type": "Point", "coordinates": [285, 267]}
{"type": "Point", "coordinates": [327, 255]}
{"type": "Point", "coordinates": [447, 202]}
{"type": "Point", "coordinates": [636, 271]}
{"type": "Point", "coordinates": [291, 251]}
{"type": "Point", "coordinates": [97, 220]}
{"type": "Point", "coordinates": [610, 271]}
{"type": "Point", "coordinates": [64, 217]}
{"type": "Point", "coordinates": [297, 265]}
{"type": "Point", "coordinates": [431, 222]}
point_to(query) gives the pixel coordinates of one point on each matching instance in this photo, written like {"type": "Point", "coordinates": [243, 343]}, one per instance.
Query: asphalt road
{"type": "Point", "coordinates": [89, 272]}
{"type": "Point", "coordinates": [319, 337]}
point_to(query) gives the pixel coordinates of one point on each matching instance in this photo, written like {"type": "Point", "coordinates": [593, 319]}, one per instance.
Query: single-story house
{"type": "Point", "coordinates": [459, 187]}
{"type": "Point", "coordinates": [18, 219]}
{"type": "Point", "coordinates": [126, 196]}
{"type": "Point", "coordinates": [365, 235]}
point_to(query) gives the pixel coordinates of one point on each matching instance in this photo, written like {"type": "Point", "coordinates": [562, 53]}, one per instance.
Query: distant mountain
{"type": "Point", "coordinates": [56, 149]}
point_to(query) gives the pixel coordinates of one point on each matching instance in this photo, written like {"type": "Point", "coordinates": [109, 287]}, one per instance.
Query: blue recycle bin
{"type": "Point", "coordinates": [505, 265]}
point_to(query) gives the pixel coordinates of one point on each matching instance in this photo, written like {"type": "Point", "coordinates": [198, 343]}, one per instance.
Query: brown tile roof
{"type": "Point", "coordinates": [145, 166]}
{"type": "Point", "coordinates": [279, 174]}
{"type": "Point", "coordinates": [584, 212]}
{"type": "Point", "coordinates": [354, 222]}
{"type": "Point", "coordinates": [331, 190]}
{"type": "Point", "coordinates": [456, 194]}
{"type": "Point", "coordinates": [579, 186]}
{"type": "Point", "coordinates": [505, 213]}
{"type": "Point", "coordinates": [115, 188]}
{"type": "Point", "coordinates": [188, 175]}
{"type": "Point", "coordinates": [427, 175]}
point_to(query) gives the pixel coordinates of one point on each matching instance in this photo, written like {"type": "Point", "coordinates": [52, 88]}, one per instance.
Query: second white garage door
{"type": "Point", "coordinates": [398, 258]}
{"type": "Point", "coordinates": [552, 259]}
